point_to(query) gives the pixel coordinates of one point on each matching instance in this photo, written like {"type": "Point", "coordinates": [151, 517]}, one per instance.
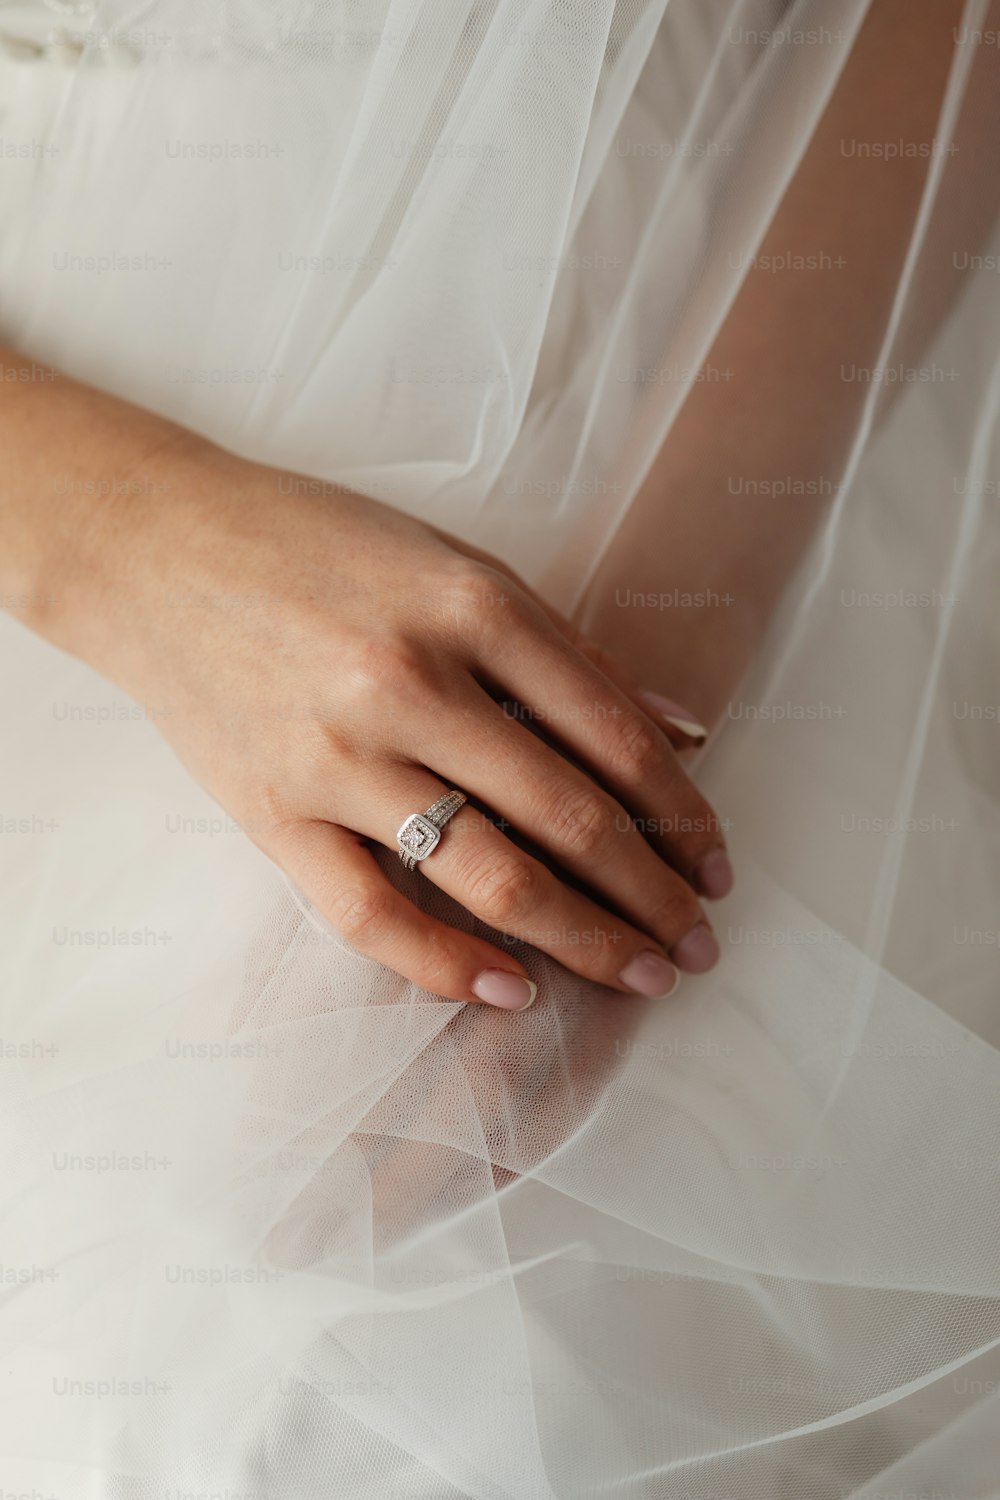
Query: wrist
{"type": "Point", "coordinates": [118, 534]}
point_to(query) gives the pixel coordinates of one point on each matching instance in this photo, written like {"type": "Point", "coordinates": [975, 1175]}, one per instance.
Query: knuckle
{"type": "Point", "coordinates": [388, 667]}
{"type": "Point", "coordinates": [272, 814]}
{"type": "Point", "coordinates": [600, 960]}
{"type": "Point", "coordinates": [674, 910]}
{"type": "Point", "coordinates": [361, 914]}
{"type": "Point", "coordinates": [474, 596]}
{"type": "Point", "coordinates": [440, 967]}
{"type": "Point", "coordinates": [701, 828]}
{"type": "Point", "coordinates": [581, 822]}
{"type": "Point", "coordinates": [691, 827]}
{"type": "Point", "coordinates": [634, 750]}
{"type": "Point", "coordinates": [502, 889]}
{"type": "Point", "coordinates": [273, 804]}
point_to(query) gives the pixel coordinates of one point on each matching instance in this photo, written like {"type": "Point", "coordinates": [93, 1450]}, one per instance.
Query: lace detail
{"type": "Point", "coordinates": [113, 32]}
{"type": "Point", "coordinates": [47, 30]}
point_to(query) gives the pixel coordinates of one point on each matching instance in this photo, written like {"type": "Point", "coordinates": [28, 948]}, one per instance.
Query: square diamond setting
{"type": "Point", "coordinates": [418, 836]}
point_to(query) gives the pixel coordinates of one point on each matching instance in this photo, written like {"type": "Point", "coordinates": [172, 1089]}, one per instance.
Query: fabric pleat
{"type": "Point", "coordinates": [278, 1224]}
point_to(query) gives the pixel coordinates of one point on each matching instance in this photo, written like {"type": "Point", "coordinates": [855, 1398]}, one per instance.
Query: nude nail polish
{"type": "Point", "coordinates": [681, 718]}
{"type": "Point", "coordinates": [508, 991]}
{"type": "Point", "coordinates": [650, 974]}
{"type": "Point", "coordinates": [697, 951]}
{"type": "Point", "coordinates": [713, 875]}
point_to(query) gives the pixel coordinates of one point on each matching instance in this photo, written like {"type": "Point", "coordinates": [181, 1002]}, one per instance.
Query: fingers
{"type": "Point", "coordinates": [680, 725]}
{"type": "Point", "coordinates": [572, 819]}
{"type": "Point", "coordinates": [517, 894]}
{"type": "Point", "coordinates": [574, 704]}
{"type": "Point", "coordinates": [338, 874]}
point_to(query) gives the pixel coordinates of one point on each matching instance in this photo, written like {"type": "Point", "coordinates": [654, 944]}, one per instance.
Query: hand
{"type": "Point", "coordinates": [332, 666]}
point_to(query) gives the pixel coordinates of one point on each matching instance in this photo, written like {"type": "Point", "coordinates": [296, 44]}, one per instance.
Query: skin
{"type": "Point", "coordinates": [784, 341]}
{"type": "Point", "coordinates": [348, 699]}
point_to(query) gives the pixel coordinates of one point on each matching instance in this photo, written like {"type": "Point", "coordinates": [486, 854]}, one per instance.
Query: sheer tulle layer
{"type": "Point", "coordinates": [276, 1222]}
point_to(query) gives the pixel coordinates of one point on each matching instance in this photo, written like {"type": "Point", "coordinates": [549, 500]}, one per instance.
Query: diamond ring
{"type": "Point", "coordinates": [421, 833]}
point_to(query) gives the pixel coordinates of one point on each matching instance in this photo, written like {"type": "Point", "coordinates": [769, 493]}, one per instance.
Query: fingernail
{"type": "Point", "coordinates": [696, 951]}
{"type": "Point", "coordinates": [713, 875]}
{"type": "Point", "coordinates": [650, 974]}
{"type": "Point", "coordinates": [500, 987]}
{"type": "Point", "coordinates": [674, 713]}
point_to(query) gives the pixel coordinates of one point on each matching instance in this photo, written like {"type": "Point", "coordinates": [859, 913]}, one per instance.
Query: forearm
{"type": "Point", "coordinates": [802, 342]}
{"type": "Point", "coordinates": [716, 491]}
{"type": "Point", "coordinates": [87, 486]}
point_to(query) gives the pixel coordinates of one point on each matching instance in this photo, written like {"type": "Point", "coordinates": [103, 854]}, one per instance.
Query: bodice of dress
{"type": "Point", "coordinates": [117, 33]}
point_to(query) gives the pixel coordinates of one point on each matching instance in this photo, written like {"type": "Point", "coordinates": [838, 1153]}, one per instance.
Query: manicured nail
{"type": "Point", "coordinates": [674, 713]}
{"type": "Point", "coordinates": [713, 875]}
{"type": "Point", "coordinates": [650, 974]}
{"type": "Point", "coordinates": [500, 987]}
{"type": "Point", "coordinates": [696, 951]}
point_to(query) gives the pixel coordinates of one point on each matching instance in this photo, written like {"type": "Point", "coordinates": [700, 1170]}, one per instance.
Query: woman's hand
{"type": "Point", "coordinates": [332, 665]}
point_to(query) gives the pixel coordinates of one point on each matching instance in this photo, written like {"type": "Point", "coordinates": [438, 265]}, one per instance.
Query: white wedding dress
{"type": "Point", "coordinates": [274, 1222]}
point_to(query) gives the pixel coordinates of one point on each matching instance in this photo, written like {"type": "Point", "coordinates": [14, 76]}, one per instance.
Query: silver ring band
{"type": "Point", "coordinates": [421, 832]}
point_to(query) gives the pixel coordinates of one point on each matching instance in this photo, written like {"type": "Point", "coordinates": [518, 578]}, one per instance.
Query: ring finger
{"type": "Point", "coordinates": [575, 821]}
{"type": "Point", "coordinates": [514, 893]}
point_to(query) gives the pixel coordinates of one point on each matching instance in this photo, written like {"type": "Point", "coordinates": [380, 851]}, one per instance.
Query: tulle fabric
{"type": "Point", "coordinates": [277, 1223]}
